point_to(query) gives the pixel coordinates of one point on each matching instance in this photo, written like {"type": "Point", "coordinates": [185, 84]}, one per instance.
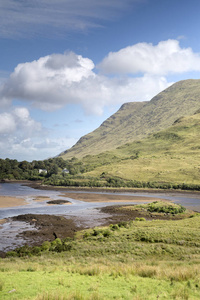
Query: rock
{"type": "Point", "coordinates": [12, 291]}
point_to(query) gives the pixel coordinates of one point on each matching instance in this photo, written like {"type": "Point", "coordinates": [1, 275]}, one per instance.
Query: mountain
{"type": "Point", "coordinates": [136, 120]}
{"type": "Point", "coordinates": [171, 155]}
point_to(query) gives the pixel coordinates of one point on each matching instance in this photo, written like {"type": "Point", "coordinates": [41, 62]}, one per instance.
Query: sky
{"type": "Point", "coordinates": [67, 65]}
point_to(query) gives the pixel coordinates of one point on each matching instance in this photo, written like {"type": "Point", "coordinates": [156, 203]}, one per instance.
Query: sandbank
{"type": "Point", "coordinates": [89, 197]}
{"type": "Point", "coordinates": [6, 201]}
{"type": "Point", "coordinates": [2, 221]}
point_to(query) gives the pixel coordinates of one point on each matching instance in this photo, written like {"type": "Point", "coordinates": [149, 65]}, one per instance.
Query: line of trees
{"type": "Point", "coordinates": [24, 170]}
{"type": "Point", "coordinates": [115, 182]}
{"type": "Point", "coordinates": [53, 174]}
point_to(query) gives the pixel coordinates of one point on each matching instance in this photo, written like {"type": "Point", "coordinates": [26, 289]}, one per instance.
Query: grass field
{"type": "Point", "coordinates": [134, 260]}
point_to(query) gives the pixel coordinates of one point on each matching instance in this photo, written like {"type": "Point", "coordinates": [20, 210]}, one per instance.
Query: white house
{"type": "Point", "coordinates": [42, 171]}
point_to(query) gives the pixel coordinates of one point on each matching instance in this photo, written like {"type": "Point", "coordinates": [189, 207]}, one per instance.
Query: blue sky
{"type": "Point", "coordinates": [67, 65]}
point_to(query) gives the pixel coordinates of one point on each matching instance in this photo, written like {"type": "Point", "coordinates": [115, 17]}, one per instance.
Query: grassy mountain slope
{"type": "Point", "coordinates": [171, 155]}
{"type": "Point", "coordinates": [135, 121]}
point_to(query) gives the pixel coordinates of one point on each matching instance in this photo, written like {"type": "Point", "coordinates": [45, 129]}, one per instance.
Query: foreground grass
{"type": "Point", "coordinates": [135, 260]}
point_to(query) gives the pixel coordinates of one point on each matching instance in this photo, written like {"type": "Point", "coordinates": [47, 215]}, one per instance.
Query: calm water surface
{"type": "Point", "coordinates": [85, 212]}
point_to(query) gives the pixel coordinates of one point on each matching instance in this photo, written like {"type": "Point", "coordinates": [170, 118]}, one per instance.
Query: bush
{"type": "Point", "coordinates": [36, 250]}
{"type": "Point", "coordinates": [11, 254]}
{"type": "Point", "coordinates": [45, 246]}
{"type": "Point", "coordinates": [140, 219]}
{"type": "Point", "coordinates": [114, 227]}
{"type": "Point", "coordinates": [106, 233]}
{"type": "Point", "coordinates": [165, 208]}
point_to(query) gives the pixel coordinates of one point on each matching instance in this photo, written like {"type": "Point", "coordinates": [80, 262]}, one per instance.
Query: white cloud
{"type": "Point", "coordinates": [56, 80]}
{"type": "Point", "coordinates": [101, 91]}
{"type": "Point", "coordinates": [7, 123]}
{"type": "Point", "coordinates": [16, 128]}
{"type": "Point", "coordinates": [18, 121]}
{"type": "Point", "coordinates": [48, 81]}
{"type": "Point", "coordinates": [29, 18]}
{"type": "Point", "coordinates": [162, 59]}
{"type": "Point", "coordinates": [59, 79]}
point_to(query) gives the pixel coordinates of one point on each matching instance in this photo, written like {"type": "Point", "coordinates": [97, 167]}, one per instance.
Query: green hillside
{"type": "Point", "coordinates": [136, 120]}
{"type": "Point", "coordinates": [171, 155]}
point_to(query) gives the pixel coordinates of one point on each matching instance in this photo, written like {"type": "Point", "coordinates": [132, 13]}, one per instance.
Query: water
{"type": "Point", "coordinates": [85, 212]}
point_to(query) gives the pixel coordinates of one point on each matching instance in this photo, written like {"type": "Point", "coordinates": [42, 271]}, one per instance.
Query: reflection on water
{"type": "Point", "coordinates": [85, 212]}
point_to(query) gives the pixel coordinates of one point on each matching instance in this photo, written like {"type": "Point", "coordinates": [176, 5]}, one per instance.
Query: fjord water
{"type": "Point", "coordinates": [85, 213]}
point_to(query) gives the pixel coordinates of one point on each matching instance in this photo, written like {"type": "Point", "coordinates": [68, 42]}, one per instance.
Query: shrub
{"type": "Point", "coordinates": [165, 208]}
{"type": "Point", "coordinates": [123, 224]}
{"type": "Point", "coordinates": [45, 246]}
{"type": "Point", "coordinates": [36, 250]}
{"type": "Point", "coordinates": [114, 227]}
{"type": "Point", "coordinates": [11, 254]}
{"type": "Point", "coordinates": [106, 233]}
{"type": "Point", "coordinates": [140, 219]}
{"type": "Point", "coordinates": [96, 232]}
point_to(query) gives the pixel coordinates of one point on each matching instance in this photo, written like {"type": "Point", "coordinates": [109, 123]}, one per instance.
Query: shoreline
{"type": "Point", "coordinates": [38, 185]}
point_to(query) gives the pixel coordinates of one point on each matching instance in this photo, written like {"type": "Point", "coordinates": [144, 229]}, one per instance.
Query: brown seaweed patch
{"type": "Point", "coordinates": [58, 202]}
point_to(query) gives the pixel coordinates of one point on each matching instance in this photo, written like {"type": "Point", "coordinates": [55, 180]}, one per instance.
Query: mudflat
{"type": "Point", "coordinates": [90, 197]}
{"type": "Point", "coordinates": [7, 201]}
{"type": "Point", "coordinates": [48, 227]}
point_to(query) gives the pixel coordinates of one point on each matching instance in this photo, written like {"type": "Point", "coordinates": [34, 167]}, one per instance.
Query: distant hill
{"type": "Point", "coordinates": [136, 120]}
